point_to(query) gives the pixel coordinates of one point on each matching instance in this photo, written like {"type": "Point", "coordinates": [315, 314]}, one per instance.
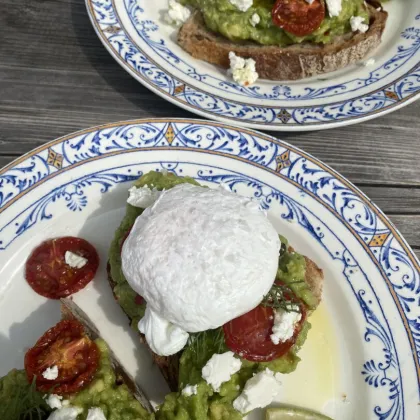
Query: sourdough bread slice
{"type": "Point", "coordinates": [284, 63]}
{"type": "Point", "coordinates": [69, 310]}
{"type": "Point", "coordinates": [169, 365]}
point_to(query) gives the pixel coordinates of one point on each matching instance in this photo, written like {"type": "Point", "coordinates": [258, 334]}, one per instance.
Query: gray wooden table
{"type": "Point", "coordinates": [56, 78]}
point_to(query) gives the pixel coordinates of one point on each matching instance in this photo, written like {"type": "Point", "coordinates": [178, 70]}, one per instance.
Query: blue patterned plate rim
{"type": "Point", "coordinates": [216, 103]}
{"type": "Point", "coordinates": [278, 172]}
{"type": "Point", "coordinates": [240, 145]}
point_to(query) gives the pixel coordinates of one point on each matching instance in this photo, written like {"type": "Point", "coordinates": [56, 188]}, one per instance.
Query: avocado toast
{"type": "Point", "coordinates": [297, 275]}
{"type": "Point", "coordinates": [280, 50]}
{"type": "Point", "coordinates": [108, 390]}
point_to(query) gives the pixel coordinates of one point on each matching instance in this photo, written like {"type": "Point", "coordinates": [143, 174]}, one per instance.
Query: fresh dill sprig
{"type": "Point", "coordinates": [281, 296]}
{"type": "Point", "coordinates": [207, 342]}
{"type": "Point", "coordinates": [20, 400]}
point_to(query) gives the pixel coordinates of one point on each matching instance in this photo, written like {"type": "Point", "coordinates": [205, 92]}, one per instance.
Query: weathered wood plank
{"type": "Point", "coordinates": [5, 160]}
{"type": "Point", "coordinates": [56, 77]}
{"type": "Point", "coordinates": [408, 225]}
{"type": "Point", "coordinates": [383, 151]}
{"type": "Point", "coordinates": [394, 200]}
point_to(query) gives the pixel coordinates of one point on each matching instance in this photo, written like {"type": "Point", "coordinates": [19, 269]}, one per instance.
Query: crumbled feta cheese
{"type": "Point", "coordinates": [242, 70]}
{"type": "Point", "coordinates": [163, 337]}
{"type": "Point", "coordinates": [259, 391]}
{"type": "Point", "coordinates": [255, 19]}
{"type": "Point", "coordinates": [310, 1]}
{"type": "Point", "coordinates": [95, 413]}
{"type": "Point", "coordinates": [54, 400]}
{"type": "Point", "coordinates": [74, 260]}
{"type": "Point", "coordinates": [242, 5]}
{"type": "Point", "coordinates": [334, 7]}
{"type": "Point", "coordinates": [357, 24]}
{"type": "Point", "coordinates": [189, 390]}
{"type": "Point", "coordinates": [177, 13]}
{"type": "Point", "coordinates": [142, 197]}
{"type": "Point", "coordinates": [50, 373]}
{"type": "Point", "coordinates": [66, 413]}
{"type": "Point", "coordinates": [284, 325]}
{"type": "Point", "coordinates": [220, 368]}
{"type": "Point", "coordinates": [370, 62]}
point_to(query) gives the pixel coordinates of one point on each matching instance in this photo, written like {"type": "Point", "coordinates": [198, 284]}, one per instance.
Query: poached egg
{"type": "Point", "coordinates": [200, 257]}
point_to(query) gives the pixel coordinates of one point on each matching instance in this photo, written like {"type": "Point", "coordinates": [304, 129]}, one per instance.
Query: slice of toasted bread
{"type": "Point", "coordinates": [169, 365]}
{"type": "Point", "coordinates": [284, 63]}
{"type": "Point", "coordinates": [69, 310]}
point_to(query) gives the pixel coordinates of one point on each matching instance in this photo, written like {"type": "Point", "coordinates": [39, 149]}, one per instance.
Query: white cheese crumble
{"type": "Point", "coordinates": [370, 62]}
{"type": "Point", "coordinates": [310, 1]}
{"type": "Point", "coordinates": [163, 337]}
{"type": "Point", "coordinates": [66, 413]}
{"type": "Point", "coordinates": [255, 19]}
{"type": "Point", "coordinates": [357, 24]}
{"type": "Point", "coordinates": [50, 373]}
{"type": "Point", "coordinates": [259, 391]}
{"type": "Point", "coordinates": [142, 197]}
{"type": "Point", "coordinates": [74, 260]}
{"type": "Point", "coordinates": [54, 400]}
{"type": "Point", "coordinates": [95, 413]}
{"type": "Point", "coordinates": [177, 13]}
{"type": "Point", "coordinates": [190, 390]}
{"type": "Point", "coordinates": [242, 70]}
{"type": "Point", "coordinates": [200, 257]}
{"type": "Point", "coordinates": [284, 325]}
{"type": "Point", "coordinates": [334, 7]}
{"type": "Point", "coordinates": [220, 368]}
{"type": "Point", "coordinates": [242, 5]}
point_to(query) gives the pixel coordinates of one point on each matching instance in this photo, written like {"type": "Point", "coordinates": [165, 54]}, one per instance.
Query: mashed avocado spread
{"type": "Point", "coordinates": [222, 17]}
{"type": "Point", "coordinates": [115, 399]}
{"type": "Point", "coordinates": [20, 400]}
{"type": "Point", "coordinates": [206, 404]}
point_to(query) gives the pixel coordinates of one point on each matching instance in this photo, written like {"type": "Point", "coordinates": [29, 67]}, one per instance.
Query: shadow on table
{"type": "Point", "coordinates": [112, 73]}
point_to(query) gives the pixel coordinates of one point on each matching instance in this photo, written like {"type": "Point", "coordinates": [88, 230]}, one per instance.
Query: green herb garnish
{"type": "Point", "coordinates": [19, 400]}
{"type": "Point", "coordinates": [281, 296]}
{"type": "Point", "coordinates": [199, 341]}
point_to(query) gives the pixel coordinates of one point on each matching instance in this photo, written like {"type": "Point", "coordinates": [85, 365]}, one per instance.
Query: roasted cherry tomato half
{"type": "Point", "coordinates": [298, 17]}
{"type": "Point", "coordinates": [249, 335]}
{"type": "Point", "coordinates": [48, 273]}
{"type": "Point", "coordinates": [69, 348]}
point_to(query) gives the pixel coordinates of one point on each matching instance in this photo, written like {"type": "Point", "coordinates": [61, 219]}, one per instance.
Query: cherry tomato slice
{"type": "Point", "coordinates": [48, 274]}
{"type": "Point", "coordinates": [69, 348]}
{"type": "Point", "coordinates": [249, 335]}
{"type": "Point", "coordinates": [298, 16]}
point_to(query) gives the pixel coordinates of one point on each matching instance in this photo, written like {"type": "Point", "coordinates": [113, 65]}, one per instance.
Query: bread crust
{"type": "Point", "coordinates": [168, 365]}
{"type": "Point", "coordinates": [284, 63]}
{"type": "Point", "coordinates": [69, 310]}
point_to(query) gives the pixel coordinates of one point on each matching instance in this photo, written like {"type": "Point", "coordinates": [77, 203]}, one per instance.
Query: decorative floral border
{"type": "Point", "coordinates": [375, 233]}
{"type": "Point", "coordinates": [104, 16]}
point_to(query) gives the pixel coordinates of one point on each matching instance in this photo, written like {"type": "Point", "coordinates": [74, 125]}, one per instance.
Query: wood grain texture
{"type": "Point", "coordinates": [56, 78]}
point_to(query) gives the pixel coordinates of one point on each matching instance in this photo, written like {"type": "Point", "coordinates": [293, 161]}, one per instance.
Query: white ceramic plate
{"type": "Point", "coordinates": [361, 360]}
{"type": "Point", "coordinates": [136, 35]}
